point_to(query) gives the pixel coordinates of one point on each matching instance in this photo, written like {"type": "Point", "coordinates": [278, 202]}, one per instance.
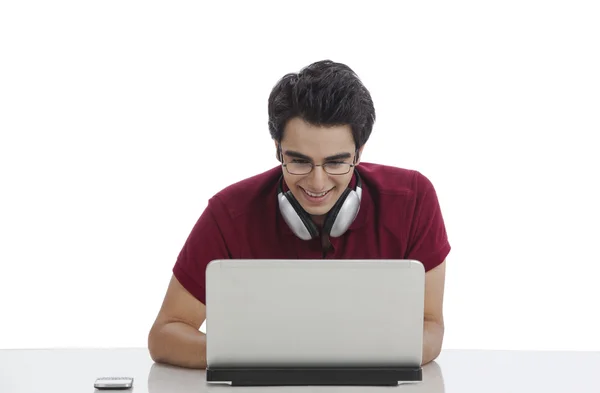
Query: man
{"type": "Point", "coordinates": [320, 120]}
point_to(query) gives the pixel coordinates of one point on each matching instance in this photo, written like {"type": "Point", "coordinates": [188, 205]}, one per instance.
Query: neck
{"type": "Point", "coordinates": [318, 220]}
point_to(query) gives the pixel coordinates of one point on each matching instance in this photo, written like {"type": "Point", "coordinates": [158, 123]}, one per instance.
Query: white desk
{"type": "Point", "coordinates": [455, 371]}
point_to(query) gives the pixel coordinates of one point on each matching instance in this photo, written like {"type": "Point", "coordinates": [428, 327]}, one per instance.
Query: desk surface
{"type": "Point", "coordinates": [455, 371]}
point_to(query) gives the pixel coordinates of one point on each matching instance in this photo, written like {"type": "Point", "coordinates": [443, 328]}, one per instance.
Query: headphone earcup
{"type": "Point", "coordinates": [344, 212]}
{"type": "Point", "coordinates": [302, 214]}
{"type": "Point", "coordinates": [334, 212]}
{"type": "Point", "coordinates": [295, 217]}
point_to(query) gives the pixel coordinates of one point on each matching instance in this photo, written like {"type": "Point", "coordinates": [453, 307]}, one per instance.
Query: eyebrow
{"type": "Point", "coordinates": [295, 154]}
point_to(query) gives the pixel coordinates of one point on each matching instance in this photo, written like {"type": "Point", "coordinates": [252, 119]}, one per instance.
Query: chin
{"type": "Point", "coordinates": [320, 211]}
{"type": "Point", "coordinates": [317, 210]}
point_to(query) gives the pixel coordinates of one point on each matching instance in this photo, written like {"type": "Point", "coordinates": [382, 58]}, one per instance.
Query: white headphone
{"type": "Point", "coordinates": [337, 221]}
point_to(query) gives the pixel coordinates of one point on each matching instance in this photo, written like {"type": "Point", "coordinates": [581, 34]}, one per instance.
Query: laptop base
{"type": "Point", "coordinates": [303, 376]}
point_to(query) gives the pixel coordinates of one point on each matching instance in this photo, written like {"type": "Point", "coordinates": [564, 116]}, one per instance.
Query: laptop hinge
{"type": "Point", "coordinates": [302, 376]}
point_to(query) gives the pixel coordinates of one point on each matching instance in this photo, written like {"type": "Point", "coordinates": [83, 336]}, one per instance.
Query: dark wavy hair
{"type": "Point", "coordinates": [324, 93]}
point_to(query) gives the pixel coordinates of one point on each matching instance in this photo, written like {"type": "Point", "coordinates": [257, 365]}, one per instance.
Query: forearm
{"type": "Point", "coordinates": [178, 344]}
{"type": "Point", "coordinates": [433, 335]}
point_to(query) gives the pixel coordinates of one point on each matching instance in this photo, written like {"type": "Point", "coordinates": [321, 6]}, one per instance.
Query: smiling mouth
{"type": "Point", "coordinates": [316, 195]}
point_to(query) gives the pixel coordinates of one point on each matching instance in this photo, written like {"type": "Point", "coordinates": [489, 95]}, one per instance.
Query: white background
{"type": "Point", "coordinates": [119, 119]}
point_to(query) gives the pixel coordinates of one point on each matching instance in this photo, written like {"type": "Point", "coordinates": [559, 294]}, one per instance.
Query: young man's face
{"type": "Point", "coordinates": [303, 143]}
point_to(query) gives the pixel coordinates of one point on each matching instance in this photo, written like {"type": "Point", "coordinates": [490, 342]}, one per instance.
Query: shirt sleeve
{"type": "Point", "coordinates": [205, 243]}
{"type": "Point", "coordinates": [428, 240]}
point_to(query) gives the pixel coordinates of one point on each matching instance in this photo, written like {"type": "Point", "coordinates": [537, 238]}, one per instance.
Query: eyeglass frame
{"type": "Point", "coordinates": [313, 165]}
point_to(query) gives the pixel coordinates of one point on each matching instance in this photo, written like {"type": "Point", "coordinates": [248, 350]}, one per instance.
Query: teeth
{"type": "Point", "coordinates": [312, 194]}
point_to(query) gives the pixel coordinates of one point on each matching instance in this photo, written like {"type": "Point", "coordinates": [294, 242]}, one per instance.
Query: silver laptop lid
{"type": "Point", "coordinates": [314, 313]}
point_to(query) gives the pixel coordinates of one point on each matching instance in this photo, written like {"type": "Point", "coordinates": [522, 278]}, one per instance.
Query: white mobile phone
{"type": "Point", "coordinates": [106, 383]}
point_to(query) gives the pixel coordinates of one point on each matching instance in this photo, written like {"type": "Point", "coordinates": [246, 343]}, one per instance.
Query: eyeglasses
{"type": "Point", "coordinates": [301, 167]}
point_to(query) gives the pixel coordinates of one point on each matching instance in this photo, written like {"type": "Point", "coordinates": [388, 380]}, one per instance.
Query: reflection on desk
{"type": "Point", "coordinates": [168, 379]}
{"type": "Point", "coordinates": [464, 371]}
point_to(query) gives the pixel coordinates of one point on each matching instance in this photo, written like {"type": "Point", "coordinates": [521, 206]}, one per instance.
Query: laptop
{"type": "Point", "coordinates": [276, 321]}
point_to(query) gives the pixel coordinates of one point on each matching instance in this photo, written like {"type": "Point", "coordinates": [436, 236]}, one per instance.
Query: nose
{"type": "Point", "coordinates": [318, 180]}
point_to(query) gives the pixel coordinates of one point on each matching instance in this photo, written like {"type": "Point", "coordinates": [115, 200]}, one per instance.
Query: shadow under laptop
{"type": "Point", "coordinates": [170, 379]}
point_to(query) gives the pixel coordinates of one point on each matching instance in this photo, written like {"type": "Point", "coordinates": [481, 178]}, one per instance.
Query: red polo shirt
{"type": "Point", "coordinates": [399, 218]}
